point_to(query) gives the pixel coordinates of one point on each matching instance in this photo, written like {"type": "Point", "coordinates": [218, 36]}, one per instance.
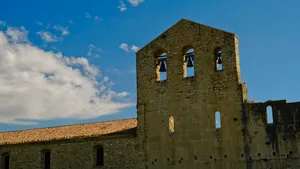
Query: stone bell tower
{"type": "Point", "coordinates": [190, 99]}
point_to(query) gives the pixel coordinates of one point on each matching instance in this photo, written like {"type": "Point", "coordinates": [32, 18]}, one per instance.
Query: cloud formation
{"type": "Point", "coordinates": [47, 36]}
{"type": "Point", "coordinates": [136, 3]}
{"type": "Point", "coordinates": [2, 23]}
{"type": "Point", "coordinates": [122, 6]}
{"type": "Point", "coordinates": [52, 36]}
{"type": "Point", "coordinates": [63, 30]}
{"type": "Point", "coordinates": [93, 51]}
{"type": "Point", "coordinates": [95, 18]}
{"type": "Point", "coordinates": [39, 85]}
{"type": "Point", "coordinates": [125, 47]}
{"type": "Point", "coordinates": [15, 34]}
{"type": "Point", "coordinates": [134, 48]}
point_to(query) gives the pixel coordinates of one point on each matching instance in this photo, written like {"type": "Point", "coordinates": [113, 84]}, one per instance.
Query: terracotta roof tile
{"type": "Point", "coordinates": [66, 132]}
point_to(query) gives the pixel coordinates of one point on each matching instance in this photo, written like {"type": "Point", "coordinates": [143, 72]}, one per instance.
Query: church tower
{"type": "Point", "coordinates": [190, 99]}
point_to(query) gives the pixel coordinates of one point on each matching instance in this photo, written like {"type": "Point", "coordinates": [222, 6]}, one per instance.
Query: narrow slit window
{"type": "Point", "coordinates": [5, 159]}
{"type": "Point", "coordinates": [47, 159]}
{"type": "Point", "coordinates": [189, 63]}
{"type": "Point", "coordinates": [99, 156]}
{"type": "Point", "coordinates": [269, 115]}
{"type": "Point", "coordinates": [161, 67]}
{"type": "Point", "coordinates": [218, 120]}
{"type": "Point", "coordinates": [171, 124]}
{"type": "Point", "coordinates": [218, 59]}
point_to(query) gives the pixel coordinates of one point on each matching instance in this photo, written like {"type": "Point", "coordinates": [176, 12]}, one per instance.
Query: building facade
{"type": "Point", "coordinates": [192, 113]}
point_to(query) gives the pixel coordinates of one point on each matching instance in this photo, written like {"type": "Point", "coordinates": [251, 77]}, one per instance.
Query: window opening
{"type": "Point", "coordinates": [99, 156]}
{"type": "Point", "coordinates": [5, 160]}
{"type": "Point", "coordinates": [189, 63]}
{"type": "Point", "coordinates": [218, 120]}
{"type": "Point", "coordinates": [161, 67]}
{"type": "Point", "coordinates": [219, 60]}
{"type": "Point", "coordinates": [47, 159]}
{"type": "Point", "coordinates": [269, 115]}
{"type": "Point", "coordinates": [171, 125]}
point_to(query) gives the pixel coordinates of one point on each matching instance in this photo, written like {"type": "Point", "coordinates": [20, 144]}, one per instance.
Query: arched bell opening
{"type": "Point", "coordinates": [188, 62]}
{"type": "Point", "coordinates": [161, 66]}
{"type": "Point", "coordinates": [218, 59]}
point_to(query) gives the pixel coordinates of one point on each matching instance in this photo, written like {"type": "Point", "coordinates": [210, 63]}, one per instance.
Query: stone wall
{"type": "Point", "coordinates": [192, 101]}
{"type": "Point", "coordinates": [275, 144]}
{"type": "Point", "coordinates": [119, 152]}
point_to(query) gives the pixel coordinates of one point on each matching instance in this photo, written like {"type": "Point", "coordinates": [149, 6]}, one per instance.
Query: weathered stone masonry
{"type": "Point", "coordinates": [176, 117]}
{"type": "Point", "coordinates": [193, 101]}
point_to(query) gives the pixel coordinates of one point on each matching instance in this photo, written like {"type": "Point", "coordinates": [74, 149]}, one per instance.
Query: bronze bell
{"type": "Point", "coordinates": [219, 60]}
{"type": "Point", "coordinates": [162, 67]}
{"type": "Point", "coordinates": [189, 62]}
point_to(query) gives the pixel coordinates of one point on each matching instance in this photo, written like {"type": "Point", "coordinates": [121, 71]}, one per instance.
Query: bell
{"type": "Point", "coordinates": [219, 60]}
{"type": "Point", "coordinates": [162, 67]}
{"type": "Point", "coordinates": [189, 62]}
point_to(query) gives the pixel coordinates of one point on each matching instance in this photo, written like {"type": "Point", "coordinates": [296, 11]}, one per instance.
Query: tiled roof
{"type": "Point", "coordinates": [67, 132]}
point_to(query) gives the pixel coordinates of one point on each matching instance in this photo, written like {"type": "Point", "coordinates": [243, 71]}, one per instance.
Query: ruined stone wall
{"type": "Point", "coordinates": [192, 101]}
{"type": "Point", "coordinates": [119, 152]}
{"type": "Point", "coordinates": [272, 145]}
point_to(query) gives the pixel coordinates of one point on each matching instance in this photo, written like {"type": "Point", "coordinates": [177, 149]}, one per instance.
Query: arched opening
{"type": "Point", "coordinates": [171, 124]}
{"type": "Point", "coordinates": [269, 115]}
{"type": "Point", "coordinates": [46, 158]}
{"type": "Point", "coordinates": [218, 120]}
{"type": "Point", "coordinates": [99, 155]}
{"type": "Point", "coordinates": [5, 158]}
{"type": "Point", "coordinates": [218, 59]}
{"type": "Point", "coordinates": [189, 63]}
{"type": "Point", "coordinates": [161, 67]}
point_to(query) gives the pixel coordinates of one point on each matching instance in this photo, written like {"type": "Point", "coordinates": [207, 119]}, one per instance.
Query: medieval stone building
{"type": "Point", "coordinates": [192, 113]}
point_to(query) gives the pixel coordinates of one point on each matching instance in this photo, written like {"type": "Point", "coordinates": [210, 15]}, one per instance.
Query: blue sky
{"type": "Point", "coordinates": [94, 30]}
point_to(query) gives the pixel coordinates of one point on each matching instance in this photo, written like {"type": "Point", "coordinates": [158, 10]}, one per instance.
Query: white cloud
{"type": "Point", "coordinates": [2, 23]}
{"type": "Point", "coordinates": [136, 2]}
{"type": "Point", "coordinates": [91, 47]}
{"type": "Point", "coordinates": [47, 36]}
{"type": "Point", "coordinates": [122, 6]}
{"type": "Point", "coordinates": [134, 48]}
{"type": "Point", "coordinates": [96, 18]}
{"type": "Point", "coordinates": [93, 51]}
{"type": "Point", "coordinates": [87, 15]}
{"type": "Point", "coordinates": [124, 46]}
{"type": "Point", "coordinates": [63, 30]}
{"type": "Point", "coordinates": [3, 39]}
{"type": "Point", "coordinates": [15, 34]}
{"type": "Point", "coordinates": [39, 85]}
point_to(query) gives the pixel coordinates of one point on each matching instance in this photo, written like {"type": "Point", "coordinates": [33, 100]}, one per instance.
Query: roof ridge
{"type": "Point", "coordinates": [207, 26]}
{"type": "Point", "coordinates": [69, 125]}
{"type": "Point", "coordinates": [170, 27]}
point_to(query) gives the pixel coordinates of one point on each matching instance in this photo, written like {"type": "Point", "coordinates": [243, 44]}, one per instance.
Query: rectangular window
{"type": "Point", "coordinates": [99, 156]}
{"type": "Point", "coordinates": [47, 159]}
{"type": "Point", "coordinates": [5, 160]}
